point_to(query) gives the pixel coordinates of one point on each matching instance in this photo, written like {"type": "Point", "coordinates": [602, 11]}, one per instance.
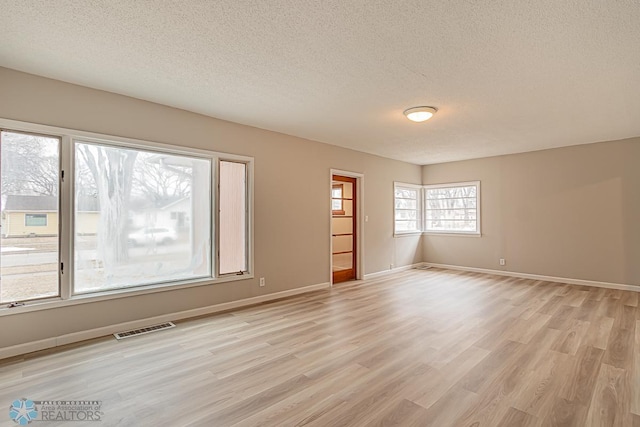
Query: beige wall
{"type": "Point", "coordinates": [291, 246]}
{"type": "Point", "coordinates": [570, 212]}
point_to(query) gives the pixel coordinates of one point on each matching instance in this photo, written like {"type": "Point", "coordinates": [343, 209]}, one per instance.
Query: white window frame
{"type": "Point", "coordinates": [248, 218]}
{"type": "Point", "coordinates": [477, 231]}
{"type": "Point", "coordinates": [66, 216]}
{"type": "Point", "coordinates": [419, 209]}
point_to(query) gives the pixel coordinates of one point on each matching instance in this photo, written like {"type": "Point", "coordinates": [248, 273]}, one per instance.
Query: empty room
{"type": "Point", "coordinates": [286, 213]}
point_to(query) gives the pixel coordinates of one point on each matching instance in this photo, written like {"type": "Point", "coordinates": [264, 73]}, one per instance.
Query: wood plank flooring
{"type": "Point", "coordinates": [419, 348]}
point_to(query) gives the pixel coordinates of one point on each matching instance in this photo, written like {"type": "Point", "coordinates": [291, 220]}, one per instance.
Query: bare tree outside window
{"type": "Point", "coordinates": [407, 208]}
{"type": "Point", "coordinates": [29, 242]}
{"type": "Point", "coordinates": [452, 208]}
{"type": "Point", "coordinates": [145, 230]}
{"type": "Point", "coordinates": [112, 172]}
{"type": "Point", "coordinates": [29, 164]}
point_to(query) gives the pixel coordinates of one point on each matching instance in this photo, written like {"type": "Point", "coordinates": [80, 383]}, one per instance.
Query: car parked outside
{"type": "Point", "coordinates": [155, 235]}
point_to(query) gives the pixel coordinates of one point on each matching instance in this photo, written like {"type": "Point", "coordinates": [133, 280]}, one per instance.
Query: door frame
{"type": "Point", "coordinates": [359, 187]}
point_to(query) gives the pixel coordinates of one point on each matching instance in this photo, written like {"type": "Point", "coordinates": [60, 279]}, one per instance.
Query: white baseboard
{"type": "Point", "coordinates": [391, 271]}
{"type": "Point", "coordinates": [607, 285]}
{"type": "Point", "coordinates": [29, 347]}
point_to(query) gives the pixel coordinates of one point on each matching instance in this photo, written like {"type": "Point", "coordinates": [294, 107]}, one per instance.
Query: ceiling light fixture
{"type": "Point", "coordinates": [420, 114]}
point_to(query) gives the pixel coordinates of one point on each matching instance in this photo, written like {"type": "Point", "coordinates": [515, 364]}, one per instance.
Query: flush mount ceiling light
{"type": "Point", "coordinates": [420, 114]}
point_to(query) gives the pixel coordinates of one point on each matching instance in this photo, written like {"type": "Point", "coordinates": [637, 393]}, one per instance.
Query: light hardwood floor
{"type": "Point", "coordinates": [423, 347]}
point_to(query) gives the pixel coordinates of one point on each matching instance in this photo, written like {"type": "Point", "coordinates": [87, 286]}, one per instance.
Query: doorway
{"type": "Point", "coordinates": [344, 228]}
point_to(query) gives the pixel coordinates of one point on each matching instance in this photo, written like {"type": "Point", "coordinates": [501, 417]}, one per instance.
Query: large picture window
{"type": "Point", "coordinates": [135, 239]}
{"type": "Point", "coordinates": [131, 215]}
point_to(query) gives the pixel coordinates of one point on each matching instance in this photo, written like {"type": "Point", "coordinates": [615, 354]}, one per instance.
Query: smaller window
{"type": "Point", "coordinates": [453, 208]}
{"type": "Point", "coordinates": [407, 208]}
{"type": "Point", "coordinates": [337, 207]}
{"type": "Point", "coordinates": [35, 220]}
{"type": "Point", "coordinates": [233, 218]}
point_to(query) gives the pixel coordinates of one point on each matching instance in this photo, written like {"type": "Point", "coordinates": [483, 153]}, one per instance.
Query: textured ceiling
{"type": "Point", "coordinates": [507, 76]}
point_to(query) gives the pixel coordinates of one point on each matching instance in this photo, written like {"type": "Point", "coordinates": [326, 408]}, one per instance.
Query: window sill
{"type": "Point", "coordinates": [408, 233]}
{"type": "Point", "coordinates": [57, 302]}
{"type": "Point", "coordinates": [449, 233]}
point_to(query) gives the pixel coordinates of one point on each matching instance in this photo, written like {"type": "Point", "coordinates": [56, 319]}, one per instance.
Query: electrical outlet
{"type": "Point", "coordinates": [502, 261]}
{"type": "Point", "coordinates": [390, 266]}
{"type": "Point", "coordinates": [262, 283]}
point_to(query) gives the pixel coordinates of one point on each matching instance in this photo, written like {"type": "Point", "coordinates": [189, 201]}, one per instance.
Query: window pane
{"type": "Point", "coordinates": [141, 217]}
{"type": "Point", "coordinates": [464, 214]}
{"type": "Point", "coordinates": [406, 193]}
{"type": "Point", "coordinates": [29, 241]}
{"type": "Point", "coordinates": [233, 224]}
{"type": "Point", "coordinates": [452, 192]}
{"type": "Point", "coordinates": [337, 191]}
{"type": "Point", "coordinates": [449, 225]}
{"type": "Point", "coordinates": [461, 203]}
{"type": "Point", "coordinates": [406, 204]}
{"type": "Point", "coordinates": [407, 209]}
{"type": "Point", "coordinates": [405, 214]}
{"type": "Point", "coordinates": [406, 226]}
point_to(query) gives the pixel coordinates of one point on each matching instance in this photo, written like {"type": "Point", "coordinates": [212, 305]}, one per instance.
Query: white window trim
{"type": "Point", "coordinates": [396, 233]}
{"type": "Point", "coordinates": [68, 136]}
{"type": "Point", "coordinates": [478, 231]}
{"type": "Point", "coordinates": [248, 215]}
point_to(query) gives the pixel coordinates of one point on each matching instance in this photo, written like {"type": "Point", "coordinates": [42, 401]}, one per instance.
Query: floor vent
{"type": "Point", "coordinates": [146, 330]}
{"type": "Point", "coordinates": [423, 267]}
